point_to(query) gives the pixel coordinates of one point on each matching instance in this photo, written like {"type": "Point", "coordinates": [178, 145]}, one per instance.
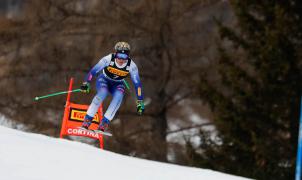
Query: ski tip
{"type": "Point", "coordinates": [108, 134]}
{"type": "Point", "coordinates": [95, 131]}
{"type": "Point", "coordinates": [103, 133]}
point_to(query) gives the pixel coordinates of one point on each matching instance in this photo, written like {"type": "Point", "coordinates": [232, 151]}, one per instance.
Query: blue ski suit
{"type": "Point", "coordinates": [110, 79]}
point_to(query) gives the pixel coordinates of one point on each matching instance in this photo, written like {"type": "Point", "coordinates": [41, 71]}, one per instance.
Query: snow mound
{"type": "Point", "coordinates": [28, 156]}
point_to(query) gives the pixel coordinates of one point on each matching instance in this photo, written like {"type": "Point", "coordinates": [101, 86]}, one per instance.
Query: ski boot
{"type": "Point", "coordinates": [104, 125]}
{"type": "Point", "coordinates": [87, 122]}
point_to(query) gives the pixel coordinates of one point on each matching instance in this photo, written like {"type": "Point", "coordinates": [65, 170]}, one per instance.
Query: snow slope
{"type": "Point", "coordinates": [27, 156]}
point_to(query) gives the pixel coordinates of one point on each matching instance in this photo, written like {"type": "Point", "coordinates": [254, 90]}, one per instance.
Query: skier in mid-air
{"type": "Point", "coordinates": [110, 72]}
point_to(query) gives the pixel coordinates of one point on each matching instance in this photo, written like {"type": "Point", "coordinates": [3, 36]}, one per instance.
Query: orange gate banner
{"type": "Point", "coordinates": [74, 116]}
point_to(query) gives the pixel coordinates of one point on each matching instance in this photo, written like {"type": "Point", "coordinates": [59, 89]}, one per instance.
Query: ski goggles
{"type": "Point", "coordinates": [121, 56]}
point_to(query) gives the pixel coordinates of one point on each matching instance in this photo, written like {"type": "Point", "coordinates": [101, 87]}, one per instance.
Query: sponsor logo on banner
{"type": "Point", "coordinates": [79, 114]}
{"type": "Point", "coordinates": [80, 132]}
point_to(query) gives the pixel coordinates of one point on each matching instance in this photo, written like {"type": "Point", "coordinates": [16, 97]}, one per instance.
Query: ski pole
{"type": "Point", "coordinates": [55, 94]}
{"type": "Point", "coordinates": [127, 85]}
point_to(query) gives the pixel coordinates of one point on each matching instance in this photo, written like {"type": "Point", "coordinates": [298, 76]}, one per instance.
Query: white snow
{"type": "Point", "coordinates": [4, 121]}
{"type": "Point", "coordinates": [28, 156]}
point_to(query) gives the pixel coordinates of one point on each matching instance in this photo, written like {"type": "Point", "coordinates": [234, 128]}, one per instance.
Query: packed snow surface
{"type": "Point", "coordinates": [28, 156]}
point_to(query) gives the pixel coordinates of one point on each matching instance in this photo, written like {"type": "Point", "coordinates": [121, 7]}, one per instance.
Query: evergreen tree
{"type": "Point", "coordinates": [256, 100]}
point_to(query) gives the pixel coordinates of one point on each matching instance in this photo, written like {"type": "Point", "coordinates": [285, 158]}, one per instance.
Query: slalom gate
{"type": "Point", "coordinates": [74, 117]}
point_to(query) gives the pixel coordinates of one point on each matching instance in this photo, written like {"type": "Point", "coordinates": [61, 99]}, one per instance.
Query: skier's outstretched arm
{"type": "Point", "coordinates": [138, 87]}
{"type": "Point", "coordinates": [136, 81]}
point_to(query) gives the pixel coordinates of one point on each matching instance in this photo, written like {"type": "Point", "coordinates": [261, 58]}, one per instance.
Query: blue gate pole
{"type": "Point", "coordinates": [299, 153]}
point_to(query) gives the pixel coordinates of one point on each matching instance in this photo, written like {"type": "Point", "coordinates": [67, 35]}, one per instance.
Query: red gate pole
{"type": "Point", "coordinates": [67, 107]}
{"type": "Point", "coordinates": [100, 114]}
{"type": "Point", "coordinates": [101, 141]}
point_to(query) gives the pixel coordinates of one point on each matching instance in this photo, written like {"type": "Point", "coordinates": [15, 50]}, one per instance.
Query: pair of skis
{"type": "Point", "coordinates": [95, 131]}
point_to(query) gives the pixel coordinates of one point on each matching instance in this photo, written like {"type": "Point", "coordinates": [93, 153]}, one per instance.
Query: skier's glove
{"type": "Point", "coordinates": [140, 107]}
{"type": "Point", "coordinates": [85, 88]}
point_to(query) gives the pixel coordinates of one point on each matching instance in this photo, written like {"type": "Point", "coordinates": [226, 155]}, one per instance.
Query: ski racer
{"type": "Point", "coordinates": [110, 73]}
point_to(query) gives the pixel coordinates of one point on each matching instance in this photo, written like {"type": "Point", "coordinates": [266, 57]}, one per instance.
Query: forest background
{"type": "Point", "coordinates": [223, 76]}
